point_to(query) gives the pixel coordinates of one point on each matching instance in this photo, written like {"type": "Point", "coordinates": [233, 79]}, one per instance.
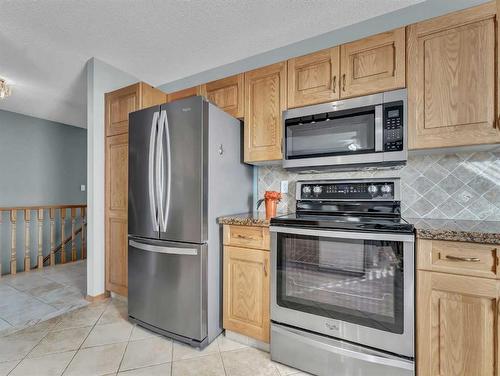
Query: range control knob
{"type": "Point", "coordinates": [306, 189]}
{"type": "Point", "coordinates": [372, 189]}
{"type": "Point", "coordinates": [386, 188]}
{"type": "Point", "coordinates": [317, 190]}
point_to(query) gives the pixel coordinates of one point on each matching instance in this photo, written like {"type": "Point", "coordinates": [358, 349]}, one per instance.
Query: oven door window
{"type": "Point", "coordinates": [357, 281]}
{"type": "Point", "coordinates": [351, 134]}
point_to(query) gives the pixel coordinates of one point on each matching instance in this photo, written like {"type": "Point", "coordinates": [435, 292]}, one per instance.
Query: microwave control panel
{"type": "Point", "coordinates": [393, 127]}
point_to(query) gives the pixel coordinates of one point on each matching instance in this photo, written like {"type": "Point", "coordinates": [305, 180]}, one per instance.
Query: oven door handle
{"type": "Point", "coordinates": [344, 234]}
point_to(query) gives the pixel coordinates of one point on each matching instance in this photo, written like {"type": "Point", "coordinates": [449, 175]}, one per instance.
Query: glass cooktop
{"type": "Point", "coordinates": [344, 222]}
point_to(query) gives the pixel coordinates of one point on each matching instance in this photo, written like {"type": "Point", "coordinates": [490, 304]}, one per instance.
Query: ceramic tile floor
{"type": "Point", "coordinates": [29, 298]}
{"type": "Point", "coordinates": [98, 340]}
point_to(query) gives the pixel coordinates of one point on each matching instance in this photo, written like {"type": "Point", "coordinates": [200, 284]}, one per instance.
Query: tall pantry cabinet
{"type": "Point", "coordinates": [118, 104]}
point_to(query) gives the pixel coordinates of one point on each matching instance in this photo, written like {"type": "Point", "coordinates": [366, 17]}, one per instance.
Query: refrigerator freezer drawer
{"type": "Point", "coordinates": [167, 287]}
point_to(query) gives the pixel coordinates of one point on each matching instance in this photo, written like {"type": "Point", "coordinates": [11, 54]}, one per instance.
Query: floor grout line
{"type": "Point", "coordinates": [90, 331]}
{"type": "Point", "coordinates": [125, 351]}
{"type": "Point", "coordinates": [29, 352]}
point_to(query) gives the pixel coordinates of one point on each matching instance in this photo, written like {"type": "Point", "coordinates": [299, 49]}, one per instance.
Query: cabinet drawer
{"type": "Point", "coordinates": [247, 236]}
{"type": "Point", "coordinates": [473, 259]}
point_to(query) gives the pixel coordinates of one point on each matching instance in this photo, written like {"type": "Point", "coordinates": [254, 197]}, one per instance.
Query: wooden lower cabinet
{"type": "Point", "coordinates": [246, 292]}
{"type": "Point", "coordinates": [458, 293]}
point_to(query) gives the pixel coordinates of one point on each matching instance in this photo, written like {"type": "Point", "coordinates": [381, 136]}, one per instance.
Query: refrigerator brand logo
{"type": "Point", "coordinates": [332, 326]}
{"type": "Point", "coordinates": [186, 109]}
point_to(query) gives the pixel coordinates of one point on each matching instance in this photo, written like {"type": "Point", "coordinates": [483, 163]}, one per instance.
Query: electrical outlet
{"type": "Point", "coordinates": [284, 186]}
{"type": "Point", "coordinates": [82, 187]}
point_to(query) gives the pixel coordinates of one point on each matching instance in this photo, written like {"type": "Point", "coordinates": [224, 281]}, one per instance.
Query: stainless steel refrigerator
{"type": "Point", "coordinates": [185, 170]}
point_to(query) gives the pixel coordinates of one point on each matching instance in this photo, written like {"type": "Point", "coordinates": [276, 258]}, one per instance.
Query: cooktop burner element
{"type": "Point", "coordinates": [359, 205]}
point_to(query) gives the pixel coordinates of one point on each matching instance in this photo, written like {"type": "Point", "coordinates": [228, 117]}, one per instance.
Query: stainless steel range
{"type": "Point", "coordinates": [342, 289]}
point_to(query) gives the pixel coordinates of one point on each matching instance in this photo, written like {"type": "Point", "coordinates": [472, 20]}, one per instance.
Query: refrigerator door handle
{"type": "Point", "coordinates": [165, 250]}
{"type": "Point", "coordinates": [159, 168]}
{"type": "Point", "coordinates": [151, 173]}
{"type": "Point", "coordinates": [169, 174]}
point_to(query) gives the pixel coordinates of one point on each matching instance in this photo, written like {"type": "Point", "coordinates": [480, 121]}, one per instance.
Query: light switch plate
{"type": "Point", "coordinates": [82, 188]}
{"type": "Point", "coordinates": [284, 186]}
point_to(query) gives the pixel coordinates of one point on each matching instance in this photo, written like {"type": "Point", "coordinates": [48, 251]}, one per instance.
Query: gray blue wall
{"type": "Point", "coordinates": [41, 162]}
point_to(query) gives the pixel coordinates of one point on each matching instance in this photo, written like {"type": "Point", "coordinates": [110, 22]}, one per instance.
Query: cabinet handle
{"type": "Point", "coordinates": [265, 270]}
{"type": "Point", "coordinates": [334, 83]}
{"type": "Point", "coordinates": [244, 237]}
{"type": "Point", "coordinates": [459, 258]}
{"type": "Point", "coordinates": [343, 82]}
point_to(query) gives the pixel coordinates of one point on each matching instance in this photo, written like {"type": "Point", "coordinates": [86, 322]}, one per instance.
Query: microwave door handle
{"type": "Point", "coordinates": [379, 129]}
{"type": "Point", "coordinates": [151, 172]}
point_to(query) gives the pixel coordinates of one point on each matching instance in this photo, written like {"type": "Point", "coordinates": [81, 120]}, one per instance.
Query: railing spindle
{"type": "Point", "coordinates": [83, 237]}
{"type": "Point", "coordinates": [52, 216]}
{"type": "Point", "coordinates": [27, 261]}
{"type": "Point", "coordinates": [40, 239]}
{"type": "Point", "coordinates": [73, 229]}
{"type": "Point", "coordinates": [63, 246]}
{"type": "Point", "coordinates": [13, 245]}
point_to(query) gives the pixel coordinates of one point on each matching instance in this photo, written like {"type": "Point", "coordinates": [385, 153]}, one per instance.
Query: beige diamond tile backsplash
{"type": "Point", "coordinates": [453, 186]}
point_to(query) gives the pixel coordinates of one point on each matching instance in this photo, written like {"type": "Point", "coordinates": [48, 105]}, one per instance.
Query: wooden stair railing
{"type": "Point", "coordinates": [49, 257]}
{"type": "Point", "coordinates": [59, 247]}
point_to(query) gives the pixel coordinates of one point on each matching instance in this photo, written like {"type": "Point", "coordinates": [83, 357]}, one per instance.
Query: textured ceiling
{"type": "Point", "coordinates": [44, 45]}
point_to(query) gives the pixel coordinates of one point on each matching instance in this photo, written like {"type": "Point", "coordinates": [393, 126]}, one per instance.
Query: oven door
{"type": "Point", "coordinates": [354, 286]}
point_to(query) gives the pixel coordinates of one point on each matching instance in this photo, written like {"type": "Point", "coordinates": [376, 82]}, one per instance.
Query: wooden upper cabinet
{"type": "Point", "coordinates": [456, 325]}
{"type": "Point", "coordinates": [451, 80]}
{"type": "Point", "coordinates": [184, 93]}
{"type": "Point", "coordinates": [373, 64]}
{"type": "Point", "coordinates": [314, 78]}
{"type": "Point", "coordinates": [265, 100]}
{"type": "Point", "coordinates": [228, 94]}
{"type": "Point", "coordinates": [119, 103]}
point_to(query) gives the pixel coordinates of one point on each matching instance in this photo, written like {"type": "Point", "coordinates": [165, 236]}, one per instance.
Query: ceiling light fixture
{"type": "Point", "coordinates": [5, 89]}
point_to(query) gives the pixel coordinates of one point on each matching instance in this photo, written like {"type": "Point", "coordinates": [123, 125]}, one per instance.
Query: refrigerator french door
{"type": "Point", "coordinates": [167, 219]}
{"type": "Point", "coordinates": [168, 179]}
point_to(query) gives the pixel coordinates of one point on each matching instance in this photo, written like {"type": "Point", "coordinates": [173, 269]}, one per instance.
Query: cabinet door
{"type": "Point", "coordinates": [185, 93]}
{"type": "Point", "coordinates": [265, 100]}
{"type": "Point", "coordinates": [451, 80]}
{"type": "Point", "coordinates": [373, 64]}
{"type": "Point", "coordinates": [314, 78]}
{"type": "Point", "coordinates": [116, 213]}
{"type": "Point", "coordinates": [456, 325]}
{"type": "Point", "coordinates": [246, 292]}
{"type": "Point", "coordinates": [118, 104]}
{"type": "Point", "coordinates": [228, 94]}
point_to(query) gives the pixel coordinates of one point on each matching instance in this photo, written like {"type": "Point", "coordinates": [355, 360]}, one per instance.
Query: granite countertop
{"type": "Point", "coordinates": [245, 219]}
{"type": "Point", "coordinates": [457, 230]}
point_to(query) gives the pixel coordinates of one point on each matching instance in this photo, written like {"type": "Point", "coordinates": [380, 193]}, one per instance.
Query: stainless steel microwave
{"type": "Point", "coordinates": [367, 131]}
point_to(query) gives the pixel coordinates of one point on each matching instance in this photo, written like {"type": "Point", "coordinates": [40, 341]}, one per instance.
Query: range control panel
{"type": "Point", "coordinates": [369, 190]}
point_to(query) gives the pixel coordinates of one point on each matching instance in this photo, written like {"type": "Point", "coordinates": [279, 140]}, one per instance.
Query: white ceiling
{"type": "Point", "coordinates": [44, 45]}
